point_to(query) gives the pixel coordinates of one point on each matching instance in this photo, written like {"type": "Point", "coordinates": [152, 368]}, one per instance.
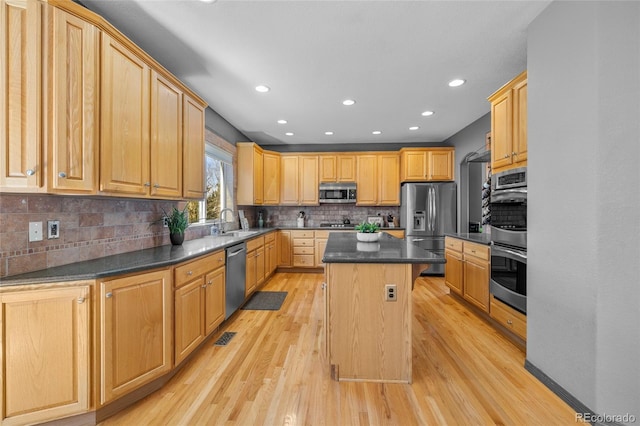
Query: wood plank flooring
{"type": "Point", "coordinates": [273, 372]}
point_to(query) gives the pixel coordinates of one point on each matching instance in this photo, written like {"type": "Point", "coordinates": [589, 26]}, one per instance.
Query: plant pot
{"type": "Point", "coordinates": [177, 239]}
{"type": "Point", "coordinates": [368, 237]}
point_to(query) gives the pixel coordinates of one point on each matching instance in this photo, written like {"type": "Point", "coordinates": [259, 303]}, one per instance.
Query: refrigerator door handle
{"type": "Point", "coordinates": [435, 210]}
{"type": "Point", "coordinates": [432, 208]}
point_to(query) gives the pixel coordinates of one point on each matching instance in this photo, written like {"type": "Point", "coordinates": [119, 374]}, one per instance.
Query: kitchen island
{"type": "Point", "coordinates": [368, 306]}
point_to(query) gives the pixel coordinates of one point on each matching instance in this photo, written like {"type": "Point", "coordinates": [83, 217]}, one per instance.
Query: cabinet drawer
{"type": "Point", "coordinates": [270, 237]}
{"type": "Point", "coordinates": [322, 234]}
{"type": "Point", "coordinates": [188, 271]}
{"type": "Point", "coordinates": [453, 244]}
{"type": "Point", "coordinates": [477, 250]}
{"type": "Point", "coordinates": [301, 234]}
{"type": "Point", "coordinates": [303, 242]}
{"type": "Point", "coordinates": [303, 250]}
{"type": "Point", "coordinates": [255, 243]}
{"type": "Point", "coordinates": [509, 317]}
{"type": "Point", "coordinates": [303, 260]}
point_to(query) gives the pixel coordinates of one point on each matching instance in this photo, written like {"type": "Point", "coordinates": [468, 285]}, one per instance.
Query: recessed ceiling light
{"type": "Point", "coordinates": [414, 128]}
{"type": "Point", "coordinates": [427, 113]}
{"type": "Point", "coordinates": [289, 134]}
{"type": "Point", "coordinates": [348, 102]}
{"type": "Point", "coordinates": [328, 133]}
{"type": "Point", "coordinates": [457, 82]}
{"type": "Point", "coordinates": [208, 1]}
{"type": "Point", "coordinates": [262, 89]}
{"type": "Point", "coordinates": [282, 121]}
{"type": "Point", "coordinates": [376, 132]}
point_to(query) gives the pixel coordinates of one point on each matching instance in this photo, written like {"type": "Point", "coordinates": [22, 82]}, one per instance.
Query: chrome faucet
{"type": "Point", "coordinates": [223, 223]}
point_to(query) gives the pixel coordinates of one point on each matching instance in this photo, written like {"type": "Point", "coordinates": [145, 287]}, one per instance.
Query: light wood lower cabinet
{"type": "Point", "coordinates": [468, 270]}
{"type": "Point", "coordinates": [270, 254]}
{"type": "Point", "coordinates": [512, 320]}
{"type": "Point", "coordinates": [255, 265]}
{"type": "Point", "coordinates": [199, 301]}
{"type": "Point", "coordinates": [135, 326]}
{"type": "Point", "coordinates": [45, 354]}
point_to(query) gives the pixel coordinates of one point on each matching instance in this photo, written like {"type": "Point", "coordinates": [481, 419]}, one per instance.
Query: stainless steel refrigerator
{"type": "Point", "coordinates": [427, 211]}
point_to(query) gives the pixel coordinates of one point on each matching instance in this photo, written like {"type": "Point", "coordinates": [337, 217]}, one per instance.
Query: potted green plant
{"type": "Point", "coordinates": [367, 232]}
{"type": "Point", "coordinates": [177, 221]}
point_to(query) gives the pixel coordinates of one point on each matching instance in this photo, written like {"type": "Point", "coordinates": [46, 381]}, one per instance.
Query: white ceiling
{"type": "Point", "coordinates": [394, 58]}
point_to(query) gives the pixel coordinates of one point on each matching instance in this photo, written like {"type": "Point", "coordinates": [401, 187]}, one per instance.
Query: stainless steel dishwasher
{"type": "Point", "coordinates": [236, 267]}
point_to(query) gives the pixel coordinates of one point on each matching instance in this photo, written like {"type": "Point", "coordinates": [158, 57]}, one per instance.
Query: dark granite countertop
{"type": "Point", "coordinates": [328, 228]}
{"type": "Point", "coordinates": [135, 261]}
{"type": "Point", "coordinates": [473, 237]}
{"type": "Point", "coordinates": [345, 248]}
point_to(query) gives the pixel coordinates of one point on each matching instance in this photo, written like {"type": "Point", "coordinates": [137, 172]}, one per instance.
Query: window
{"type": "Point", "coordinates": [219, 186]}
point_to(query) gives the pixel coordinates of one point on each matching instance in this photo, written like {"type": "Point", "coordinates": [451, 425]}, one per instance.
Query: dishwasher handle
{"type": "Point", "coordinates": [235, 253]}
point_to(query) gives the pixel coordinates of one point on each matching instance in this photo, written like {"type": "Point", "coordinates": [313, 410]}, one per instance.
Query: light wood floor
{"type": "Point", "coordinates": [273, 372]}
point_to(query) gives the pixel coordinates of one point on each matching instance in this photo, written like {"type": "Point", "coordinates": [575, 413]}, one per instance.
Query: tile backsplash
{"type": "Point", "coordinates": [315, 215]}
{"type": "Point", "coordinates": [89, 228]}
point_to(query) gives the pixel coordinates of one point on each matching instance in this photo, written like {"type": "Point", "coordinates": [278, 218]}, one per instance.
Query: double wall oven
{"type": "Point", "coordinates": [509, 238]}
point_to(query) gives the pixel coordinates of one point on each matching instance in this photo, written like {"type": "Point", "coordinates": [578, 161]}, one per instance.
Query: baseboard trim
{"type": "Point", "coordinates": [565, 395]}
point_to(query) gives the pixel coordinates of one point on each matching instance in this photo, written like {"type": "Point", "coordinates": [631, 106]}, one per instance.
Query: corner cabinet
{"type": "Point", "coordinates": [134, 317]}
{"type": "Point", "coordinates": [427, 164]}
{"type": "Point", "coordinates": [250, 180]}
{"type": "Point", "coordinates": [509, 125]}
{"type": "Point", "coordinates": [45, 353]}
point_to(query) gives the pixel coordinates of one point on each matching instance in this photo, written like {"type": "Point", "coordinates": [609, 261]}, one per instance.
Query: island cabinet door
{"type": "Point", "coordinates": [45, 354]}
{"type": "Point", "coordinates": [135, 319]}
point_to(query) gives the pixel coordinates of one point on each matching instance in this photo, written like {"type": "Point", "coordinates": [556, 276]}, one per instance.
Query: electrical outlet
{"type": "Point", "coordinates": [35, 231]}
{"type": "Point", "coordinates": [53, 229]}
{"type": "Point", "coordinates": [391, 292]}
{"type": "Point", "coordinates": [165, 221]}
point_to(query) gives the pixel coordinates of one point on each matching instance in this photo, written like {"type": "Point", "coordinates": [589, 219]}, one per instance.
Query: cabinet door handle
{"type": "Point", "coordinates": [147, 184]}
{"type": "Point", "coordinates": [156, 185]}
{"type": "Point", "coordinates": [80, 300]}
{"type": "Point", "coordinates": [62, 175]}
{"type": "Point", "coordinates": [506, 156]}
{"type": "Point", "coordinates": [324, 285]}
{"type": "Point", "coordinates": [210, 282]}
{"type": "Point", "coordinates": [509, 322]}
{"type": "Point", "coordinates": [189, 273]}
{"type": "Point", "coordinates": [204, 286]}
{"type": "Point", "coordinates": [108, 295]}
{"type": "Point", "coordinates": [30, 172]}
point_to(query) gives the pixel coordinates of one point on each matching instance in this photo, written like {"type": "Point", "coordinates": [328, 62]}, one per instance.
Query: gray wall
{"type": "Point", "coordinates": [221, 127]}
{"type": "Point", "coordinates": [584, 198]}
{"type": "Point", "coordinates": [466, 141]}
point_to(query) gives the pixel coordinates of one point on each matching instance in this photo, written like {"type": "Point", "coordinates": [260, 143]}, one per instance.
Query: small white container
{"type": "Point", "coordinates": [300, 221]}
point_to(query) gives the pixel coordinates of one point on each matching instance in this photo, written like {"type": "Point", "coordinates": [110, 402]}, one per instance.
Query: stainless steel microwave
{"type": "Point", "coordinates": [337, 193]}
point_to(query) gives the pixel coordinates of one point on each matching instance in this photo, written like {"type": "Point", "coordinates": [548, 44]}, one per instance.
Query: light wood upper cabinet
{"type": "Point", "coordinates": [166, 138]}
{"type": "Point", "coordinates": [367, 180]}
{"type": "Point", "coordinates": [72, 76]}
{"type": "Point", "coordinates": [299, 179]}
{"type": "Point", "coordinates": [509, 125]}
{"type": "Point", "coordinates": [378, 179]}
{"type": "Point", "coordinates": [337, 168]}
{"type": "Point", "coordinates": [427, 164]}
{"type": "Point", "coordinates": [250, 174]}
{"type": "Point", "coordinates": [193, 149]}
{"type": "Point", "coordinates": [271, 178]}
{"type": "Point", "coordinates": [45, 354]}
{"type": "Point", "coordinates": [308, 180]}
{"type": "Point", "coordinates": [135, 326]}
{"type": "Point", "coordinates": [21, 168]}
{"type": "Point", "coordinates": [124, 144]}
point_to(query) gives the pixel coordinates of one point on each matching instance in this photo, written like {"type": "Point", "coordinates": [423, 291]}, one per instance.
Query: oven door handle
{"type": "Point", "coordinates": [520, 256]}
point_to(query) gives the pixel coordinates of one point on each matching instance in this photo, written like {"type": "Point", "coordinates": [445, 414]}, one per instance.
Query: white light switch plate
{"type": "Point", "coordinates": [35, 231]}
